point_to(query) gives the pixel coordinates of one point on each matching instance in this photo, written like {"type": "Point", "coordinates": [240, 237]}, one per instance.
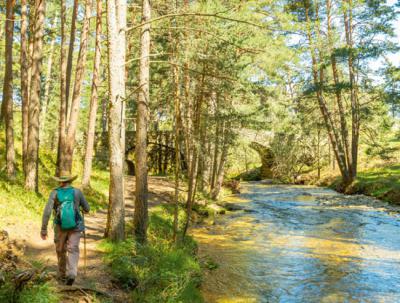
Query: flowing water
{"type": "Point", "coordinates": [291, 244]}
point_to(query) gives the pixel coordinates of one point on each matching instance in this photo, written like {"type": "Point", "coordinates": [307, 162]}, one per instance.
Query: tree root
{"type": "Point", "coordinates": [83, 290]}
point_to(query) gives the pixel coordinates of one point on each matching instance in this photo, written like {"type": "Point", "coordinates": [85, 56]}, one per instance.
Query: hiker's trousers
{"type": "Point", "coordinates": [67, 248]}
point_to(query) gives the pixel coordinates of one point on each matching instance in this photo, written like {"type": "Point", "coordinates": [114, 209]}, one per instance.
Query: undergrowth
{"type": "Point", "coordinates": [32, 293]}
{"type": "Point", "coordinates": [159, 271]}
{"type": "Point", "coordinates": [34, 287]}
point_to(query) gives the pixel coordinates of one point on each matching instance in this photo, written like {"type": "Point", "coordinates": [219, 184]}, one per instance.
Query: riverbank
{"type": "Point", "coordinates": [382, 183]}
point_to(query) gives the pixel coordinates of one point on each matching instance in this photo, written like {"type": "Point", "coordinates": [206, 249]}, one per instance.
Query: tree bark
{"type": "Point", "coordinates": [318, 78]}
{"type": "Point", "coordinates": [116, 21]}
{"type": "Point", "coordinates": [8, 90]}
{"type": "Point", "coordinates": [177, 124]}
{"type": "Point", "coordinates": [62, 122]}
{"type": "Point", "coordinates": [141, 206]}
{"type": "Point", "coordinates": [93, 101]}
{"type": "Point", "coordinates": [68, 151]}
{"type": "Point", "coordinates": [24, 79]}
{"type": "Point", "coordinates": [355, 106]}
{"type": "Point", "coordinates": [338, 94]}
{"type": "Point", "coordinates": [45, 102]}
{"type": "Point", "coordinates": [31, 179]}
{"type": "Point", "coordinates": [166, 154]}
{"type": "Point", "coordinates": [193, 167]}
{"type": "Point", "coordinates": [70, 56]}
{"type": "Point", "coordinates": [104, 115]}
{"type": "Point", "coordinates": [216, 149]}
{"type": "Point", "coordinates": [177, 111]}
{"type": "Point", "coordinates": [221, 167]}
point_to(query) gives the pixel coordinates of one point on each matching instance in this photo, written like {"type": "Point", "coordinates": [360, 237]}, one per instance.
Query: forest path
{"type": "Point", "coordinates": [97, 275]}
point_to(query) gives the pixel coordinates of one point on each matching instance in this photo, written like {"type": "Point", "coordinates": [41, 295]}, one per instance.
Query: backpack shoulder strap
{"type": "Point", "coordinates": [56, 201]}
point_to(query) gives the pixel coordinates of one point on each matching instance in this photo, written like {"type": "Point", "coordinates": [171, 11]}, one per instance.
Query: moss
{"type": "Point", "coordinates": [250, 175]}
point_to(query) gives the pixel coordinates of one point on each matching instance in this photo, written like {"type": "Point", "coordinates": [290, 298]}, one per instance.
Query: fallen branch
{"type": "Point", "coordinates": [65, 288]}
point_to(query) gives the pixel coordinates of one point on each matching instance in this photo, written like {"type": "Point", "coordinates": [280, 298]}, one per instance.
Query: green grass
{"type": "Point", "coordinates": [159, 271]}
{"type": "Point", "coordinates": [39, 293]}
{"type": "Point", "coordinates": [18, 204]}
{"type": "Point", "coordinates": [37, 290]}
{"type": "Point", "coordinates": [381, 182]}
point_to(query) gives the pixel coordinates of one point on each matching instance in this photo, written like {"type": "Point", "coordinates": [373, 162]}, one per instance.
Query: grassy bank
{"type": "Point", "coordinates": [159, 271]}
{"type": "Point", "coordinates": [381, 182]}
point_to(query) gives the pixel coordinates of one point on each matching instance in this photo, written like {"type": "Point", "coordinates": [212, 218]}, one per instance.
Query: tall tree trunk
{"type": "Point", "coordinates": [177, 122]}
{"type": "Point", "coordinates": [116, 22]}
{"type": "Point", "coordinates": [216, 151]}
{"type": "Point", "coordinates": [355, 107]}
{"type": "Point", "coordinates": [62, 122]}
{"type": "Point", "coordinates": [93, 101]}
{"type": "Point", "coordinates": [192, 186]}
{"type": "Point", "coordinates": [159, 152]}
{"type": "Point", "coordinates": [318, 79]}
{"type": "Point", "coordinates": [24, 61]}
{"type": "Point", "coordinates": [221, 167]}
{"type": "Point", "coordinates": [68, 152]}
{"type": "Point", "coordinates": [31, 179]}
{"type": "Point", "coordinates": [141, 207]}
{"type": "Point", "coordinates": [177, 111]}
{"type": "Point", "coordinates": [187, 120]}
{"type": "Point", "coordinates": [70, 56]}
{"type": "Point", "coordinates": [45, 103]}
{"type": "Point", "coordinates": [8, 90]}
{"type": "Point", "coordinates": [338, 94]}
{"type": "Point", "coordinates": [166, 154]}
{"type": "Point", "coordinates": [104, 115]}
{"type": "Point", "coordinates": [202, 158]}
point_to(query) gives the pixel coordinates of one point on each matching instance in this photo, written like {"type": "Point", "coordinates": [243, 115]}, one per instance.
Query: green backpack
{"type": "Point", "coordinates": [66, 208]}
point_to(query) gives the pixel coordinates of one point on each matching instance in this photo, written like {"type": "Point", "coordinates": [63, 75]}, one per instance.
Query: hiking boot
{"type": "Point", "coordinates": [61, 279]}
{"type": "Point", "coordinates": [70, 281]}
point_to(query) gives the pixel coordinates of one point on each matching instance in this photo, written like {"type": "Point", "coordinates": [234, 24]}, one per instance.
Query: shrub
{"type": "Point", "coordinates": [159, 271]}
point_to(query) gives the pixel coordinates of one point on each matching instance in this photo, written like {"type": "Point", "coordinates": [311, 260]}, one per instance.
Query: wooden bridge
{"type": "Point", "coordinates": [161, 151]}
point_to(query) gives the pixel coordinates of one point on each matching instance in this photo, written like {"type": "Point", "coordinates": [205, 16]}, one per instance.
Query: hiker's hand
{"type": "Point", "coordinates": [43, 236]}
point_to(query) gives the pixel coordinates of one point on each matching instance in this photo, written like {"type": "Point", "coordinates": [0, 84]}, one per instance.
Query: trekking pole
{"type": "Point", "coordinates": [84, 245]}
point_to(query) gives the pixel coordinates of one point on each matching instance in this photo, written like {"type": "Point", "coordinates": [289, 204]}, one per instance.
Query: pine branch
{"type": "Point", "coordinates": [215, 15]}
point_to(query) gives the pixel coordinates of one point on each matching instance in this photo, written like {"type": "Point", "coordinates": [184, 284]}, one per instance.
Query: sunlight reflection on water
{"type": "Point", "coordinates": [290, 249]}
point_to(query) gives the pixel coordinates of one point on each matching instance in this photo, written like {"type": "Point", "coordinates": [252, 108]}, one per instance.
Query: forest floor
{"type": "Point", "coordinates": [97, 275]}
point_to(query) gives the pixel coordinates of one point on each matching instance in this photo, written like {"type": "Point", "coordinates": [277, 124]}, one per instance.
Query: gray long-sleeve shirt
{"type": "Point", "coordinates": [79, 200]}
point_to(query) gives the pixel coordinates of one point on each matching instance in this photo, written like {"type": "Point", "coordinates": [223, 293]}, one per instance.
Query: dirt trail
{"type": "Point", "coordinates": [97, 276]}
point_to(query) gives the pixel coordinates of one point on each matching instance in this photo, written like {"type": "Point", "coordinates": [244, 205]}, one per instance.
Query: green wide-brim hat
{"type": "Point", "coordinates": [65, 177]}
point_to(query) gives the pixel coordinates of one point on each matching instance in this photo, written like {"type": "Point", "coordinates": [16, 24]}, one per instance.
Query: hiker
{"type": "Point", "coordinates": [65, 202]}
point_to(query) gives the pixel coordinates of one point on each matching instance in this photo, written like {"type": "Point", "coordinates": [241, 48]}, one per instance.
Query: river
{"type": "Point", "coordinates": [301, 244]}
